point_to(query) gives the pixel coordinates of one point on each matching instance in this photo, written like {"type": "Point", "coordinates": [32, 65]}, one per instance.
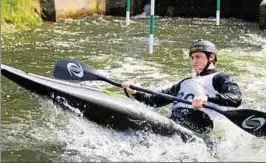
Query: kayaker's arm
{"type": "Point", "coordinates": [157, 101]}
{"type": "Point", "coordinates": [229, 92]}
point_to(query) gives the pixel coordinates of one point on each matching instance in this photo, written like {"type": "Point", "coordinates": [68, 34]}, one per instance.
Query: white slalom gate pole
{"type": "Point", "coordinates": [218, 12]}
{"type": "Point", "coordinates": [127, 12]}
{"type": "Point", "coordinates": [151, 24]}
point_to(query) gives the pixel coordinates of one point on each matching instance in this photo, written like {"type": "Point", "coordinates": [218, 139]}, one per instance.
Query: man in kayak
{"type": "Point", "coordinates": [208, 85]}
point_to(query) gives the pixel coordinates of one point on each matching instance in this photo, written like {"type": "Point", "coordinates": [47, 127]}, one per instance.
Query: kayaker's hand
{"type": "Point", "coordinates": [126, 85]}
{"type": "Point", "coordinates": [198, 101]}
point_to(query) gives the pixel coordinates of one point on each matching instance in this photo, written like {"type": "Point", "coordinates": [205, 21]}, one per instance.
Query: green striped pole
{"type": "Point", "coordinates": [151, 40]}
{"type": "Point", "coordinates": [218, 12]}
{"type": "Point", "coordinates": [127, 12]}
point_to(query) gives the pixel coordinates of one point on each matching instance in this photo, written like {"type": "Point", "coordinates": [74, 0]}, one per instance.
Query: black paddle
{"type": "Point", "coordinates": [252, 121]}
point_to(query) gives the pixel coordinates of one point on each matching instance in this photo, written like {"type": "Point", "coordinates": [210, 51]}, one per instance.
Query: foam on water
{"type": "Point", "coordinates": [82, 140]}
{"type": "Point", "coordinates": [119, 53]}
{"type": "Point", "coordinates": [86, 141]}
{"type": "Point", "coordinates": [73, 138]}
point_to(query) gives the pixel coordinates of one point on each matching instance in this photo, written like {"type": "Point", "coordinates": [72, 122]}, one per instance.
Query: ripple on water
{"type": "Point", "coordinates": [121, 53]}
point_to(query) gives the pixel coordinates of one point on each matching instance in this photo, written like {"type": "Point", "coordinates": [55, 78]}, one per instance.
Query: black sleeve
{"type": "Point", "coordinates": [157, 101]}
{"type": "Point", "coordinates": [229, 93]}
{"type": "Point", "coordinates": [151, 100]}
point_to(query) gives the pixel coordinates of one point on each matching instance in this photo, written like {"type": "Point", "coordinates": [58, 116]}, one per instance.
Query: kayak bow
{"type": "Point", "coordinates": [95, 105]}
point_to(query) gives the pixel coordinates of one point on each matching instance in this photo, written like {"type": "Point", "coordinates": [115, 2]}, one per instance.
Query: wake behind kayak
{"type": "Point", "coordinates": [117, 113]}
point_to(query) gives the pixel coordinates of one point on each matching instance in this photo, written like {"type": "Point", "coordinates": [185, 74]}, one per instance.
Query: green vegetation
{"type": "Point", "coordinates": [20, 15]}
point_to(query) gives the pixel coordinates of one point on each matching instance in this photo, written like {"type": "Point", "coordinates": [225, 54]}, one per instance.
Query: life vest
{"type": "Point", "coordinates": [197, 86]}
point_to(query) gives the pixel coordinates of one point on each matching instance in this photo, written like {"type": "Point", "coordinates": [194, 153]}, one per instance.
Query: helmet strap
{"type": "Point", "coordinates": [206, 66]}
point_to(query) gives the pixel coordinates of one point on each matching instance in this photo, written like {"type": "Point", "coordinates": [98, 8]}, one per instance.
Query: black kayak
{"type": "Point", "coordinates": [117, 112]}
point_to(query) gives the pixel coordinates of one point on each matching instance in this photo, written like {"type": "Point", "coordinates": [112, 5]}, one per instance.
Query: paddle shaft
{"type": "Point", "coordinates": [172, 98]}
{"type": "Point", "coordinates": [169, 97]}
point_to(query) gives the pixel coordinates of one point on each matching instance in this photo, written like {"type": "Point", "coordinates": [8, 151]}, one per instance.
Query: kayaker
{"type": "Point", "coordinates": [207, 85]}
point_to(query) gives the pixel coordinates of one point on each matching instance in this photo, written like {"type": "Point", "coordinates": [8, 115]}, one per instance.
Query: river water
{"type": "Point", "coordinates": [34, 129]}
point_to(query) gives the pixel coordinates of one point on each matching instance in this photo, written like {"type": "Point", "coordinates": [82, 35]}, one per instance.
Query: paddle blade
{"type": "Point", "coordinates": [252, 121]}
{"type": "Point", "coordinates": [74, 70]}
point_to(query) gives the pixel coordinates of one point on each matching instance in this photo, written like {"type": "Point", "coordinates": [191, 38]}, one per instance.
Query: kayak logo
{"type": "Point", "coordinates": [75, 70]}
{"type": "Point", "coordinates": [253, 123]}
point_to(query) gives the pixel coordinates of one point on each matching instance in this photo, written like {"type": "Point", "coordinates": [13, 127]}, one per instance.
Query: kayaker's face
{"type": "Point", "coordinates": [199, 61]}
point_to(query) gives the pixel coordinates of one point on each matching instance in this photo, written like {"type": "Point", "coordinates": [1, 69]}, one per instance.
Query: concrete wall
{"type": "Point", "coordinates": [243, 9]}
{"type": "Point", "coordinates": [53, 10]}
{"type": "Point", "coordinates": [262, 19]}
{"type": "Point", "coordinates": [246, 9]}
{"type": "Point", "coordinates": [68, 8]}
{"type": "Point", "coordinates": [78, 8]}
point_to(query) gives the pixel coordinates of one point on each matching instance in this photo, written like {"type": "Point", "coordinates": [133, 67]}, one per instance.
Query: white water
{"type": "Point", "coordinates": [81, 140]}
{"type": "Point", "coordinates": [63, 136]}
